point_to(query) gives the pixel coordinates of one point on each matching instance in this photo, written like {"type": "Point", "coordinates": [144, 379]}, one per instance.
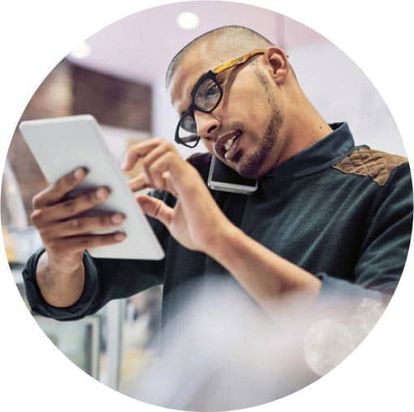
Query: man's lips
{"type": "Point", "coordinates": [226, 145]}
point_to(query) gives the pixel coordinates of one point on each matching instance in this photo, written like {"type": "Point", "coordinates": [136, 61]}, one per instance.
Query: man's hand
{"type": "Point", "coordinates": [64, 232]}
{"type": "Point", "coordinates": [196, 221]}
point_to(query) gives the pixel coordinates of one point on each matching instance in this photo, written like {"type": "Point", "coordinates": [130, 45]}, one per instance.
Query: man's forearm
{"type": "Point", "coordinates": [59, 289]}
{"type": "Point", "coordinates": [266, 276]}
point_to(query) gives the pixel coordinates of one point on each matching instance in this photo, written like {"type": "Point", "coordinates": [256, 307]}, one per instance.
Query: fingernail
{"type": "Point", "coordinates": [80, 173]}
{"type": "Point", "coordinates": [101, 193]}
{"type": "Point", "coordinates": [120, 236]}
{"type": "Point", "coordinates": [117, 218]}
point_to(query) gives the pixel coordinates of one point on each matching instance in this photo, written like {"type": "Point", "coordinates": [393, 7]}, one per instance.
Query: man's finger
{"type": "Point", "coordinates": [171, 165]}
{"type": "Point", "coordinates": [169, 187]}
{"type": "Point", "coordinates": [80, 243]}
{"type": "Point", "coordinates": [81, 225]}
{"type": "Point", "coordinates": [138, 183]}
{"type": "Point", "coordinates": [69, 208]}
{"type": "Point", "coordinates": [137, 151]}
{"type": "Point", "coordinates": [55, 192]}
{"type": "Point", "coordinates": [156, 208]}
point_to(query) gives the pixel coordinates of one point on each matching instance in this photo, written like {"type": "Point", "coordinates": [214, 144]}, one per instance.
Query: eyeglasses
{"type": "Point", "coordinates": [205, 97]}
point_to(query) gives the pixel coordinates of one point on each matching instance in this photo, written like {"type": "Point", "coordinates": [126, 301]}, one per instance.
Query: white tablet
{"type": "Point", "coordinates": [63, 144]}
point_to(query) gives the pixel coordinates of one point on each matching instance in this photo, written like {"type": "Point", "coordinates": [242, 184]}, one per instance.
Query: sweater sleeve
{"type": "Point", "coordinates": [105, 279]}
{"type": "Point", "coordinates": [385, 246]}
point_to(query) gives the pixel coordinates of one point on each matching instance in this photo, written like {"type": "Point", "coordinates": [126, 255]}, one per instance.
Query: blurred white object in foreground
{"type": "Point", "coordinates": [223, 352]}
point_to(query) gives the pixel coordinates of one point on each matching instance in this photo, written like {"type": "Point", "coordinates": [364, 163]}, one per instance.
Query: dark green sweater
{"type": "Point", "coordinates": [341, 212]}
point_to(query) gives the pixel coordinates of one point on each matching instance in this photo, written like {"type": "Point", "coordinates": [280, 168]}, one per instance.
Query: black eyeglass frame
{"type": "Point", "coordinates": [193, 140]}
{"type": "Point", "coordinates": [193, 106]}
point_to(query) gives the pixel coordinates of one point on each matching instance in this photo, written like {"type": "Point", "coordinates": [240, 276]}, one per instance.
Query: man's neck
{"type": "Point", "coordinates": [306, 128]}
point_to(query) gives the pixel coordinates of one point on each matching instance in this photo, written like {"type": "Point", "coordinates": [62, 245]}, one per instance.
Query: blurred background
{"type": "Point", "coordinates": [117, 75]}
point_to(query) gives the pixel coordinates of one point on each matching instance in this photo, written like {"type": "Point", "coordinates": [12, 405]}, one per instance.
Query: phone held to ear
{"type": "Point", "coordinates": [223, 178]}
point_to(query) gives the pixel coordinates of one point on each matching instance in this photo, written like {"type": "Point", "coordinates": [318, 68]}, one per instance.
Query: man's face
{"type": "Point", "coordinates": [243, 130]}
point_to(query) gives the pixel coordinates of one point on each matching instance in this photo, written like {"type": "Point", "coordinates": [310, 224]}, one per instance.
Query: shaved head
{"type": "Point", "coordinates": [229, 40]}
{"type": "Point", "coordinates": [258, 97]}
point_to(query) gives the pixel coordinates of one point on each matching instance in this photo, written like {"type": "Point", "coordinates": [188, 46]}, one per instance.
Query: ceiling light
{"type": "Point", "coordinates": [187, 20]}
{"type": "Point", "coordinates": [84, 50]}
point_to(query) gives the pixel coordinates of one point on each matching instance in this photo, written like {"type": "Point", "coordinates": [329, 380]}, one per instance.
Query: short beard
{"type": "Point", "coordinates": [254, 163]}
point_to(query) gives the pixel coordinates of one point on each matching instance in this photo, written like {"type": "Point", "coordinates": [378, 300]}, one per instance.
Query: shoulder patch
{"type": "Point", "coordinates": [373, 163]}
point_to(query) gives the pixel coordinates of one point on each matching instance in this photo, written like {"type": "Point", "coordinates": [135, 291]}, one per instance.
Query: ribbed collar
{"type": "Point", "coordinates": [319, 156]}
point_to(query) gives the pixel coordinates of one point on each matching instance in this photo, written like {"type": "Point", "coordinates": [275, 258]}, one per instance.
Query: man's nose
{"type": "Point", "coordinates": [206, 123]}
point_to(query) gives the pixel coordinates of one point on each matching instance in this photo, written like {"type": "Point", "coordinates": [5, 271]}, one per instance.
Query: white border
{"type": "Point", "coordinates": [35, 35]}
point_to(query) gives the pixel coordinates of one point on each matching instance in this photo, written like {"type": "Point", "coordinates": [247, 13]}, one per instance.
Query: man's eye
{"type": "Point", "coordinates": [188, 124]}
{"type": "Point", "coordinates": [212, 90]}
{"type": "Point", "coordinates": [207, 95]}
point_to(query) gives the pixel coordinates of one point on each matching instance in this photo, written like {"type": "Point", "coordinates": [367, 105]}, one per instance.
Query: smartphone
{"type": "Point", "coordinates": [223, 178]}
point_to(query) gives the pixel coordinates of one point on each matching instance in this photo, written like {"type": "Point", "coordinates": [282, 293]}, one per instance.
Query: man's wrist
{"type": "Point", "coordinates": [223, 245]}
{"type": "Point", "coordinates": [59, 288]}
{"type": "Point", "coordinates": [68, 265]}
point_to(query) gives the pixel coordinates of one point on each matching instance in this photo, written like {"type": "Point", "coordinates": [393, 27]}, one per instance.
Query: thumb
{"type": "Point", "coordinates": [156, 208]}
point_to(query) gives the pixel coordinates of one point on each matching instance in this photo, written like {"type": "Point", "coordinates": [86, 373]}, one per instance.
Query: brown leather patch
{"type": "Point", "coordinates": [374, 163]}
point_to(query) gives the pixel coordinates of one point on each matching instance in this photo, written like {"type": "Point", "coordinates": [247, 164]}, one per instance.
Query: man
{"type": "Point", "coordinates": [328, 218]}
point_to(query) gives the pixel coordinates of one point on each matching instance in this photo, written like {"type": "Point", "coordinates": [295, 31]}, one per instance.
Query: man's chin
{"type": "Point", "coordinates": [247, 171]}
{"type": "Point", "coordinates": [237, 167]}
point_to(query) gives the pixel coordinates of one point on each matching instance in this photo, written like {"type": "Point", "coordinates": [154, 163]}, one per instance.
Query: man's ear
{"type": "Point", "coordinates": [276, 60]}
